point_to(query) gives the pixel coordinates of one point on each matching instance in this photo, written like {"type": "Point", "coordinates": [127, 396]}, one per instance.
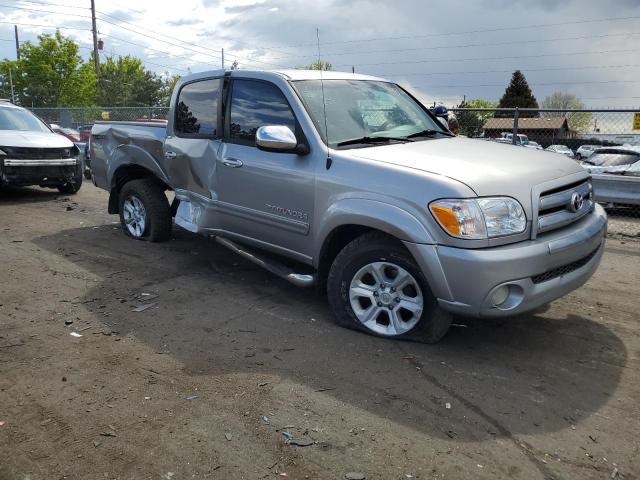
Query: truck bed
{"type": "Point", "coordinates": [140, 141]}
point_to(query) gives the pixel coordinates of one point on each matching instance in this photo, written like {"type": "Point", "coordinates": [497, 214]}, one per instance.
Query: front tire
{"type": "Point", "coordinates": [72, 187]}
{"type": "Point", "coordinates": [144, 211]}
{"type": "Point", "coordinates": [375, 285]}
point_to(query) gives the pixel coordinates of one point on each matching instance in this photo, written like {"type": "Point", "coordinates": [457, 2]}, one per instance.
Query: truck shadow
{"type": "Point", "coordinates": [218, 314]}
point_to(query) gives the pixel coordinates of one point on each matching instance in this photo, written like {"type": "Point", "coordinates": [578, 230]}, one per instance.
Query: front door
{"type": "Point", "coordinates": [265, 196]}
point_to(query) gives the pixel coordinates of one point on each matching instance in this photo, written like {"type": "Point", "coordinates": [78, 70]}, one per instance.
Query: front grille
{"type": "Point", "coordinates": [28, 153]}
{"type": "Point", "coordinates": [557, 207]}
{"type": "Point", "coordinates": [564, 269]}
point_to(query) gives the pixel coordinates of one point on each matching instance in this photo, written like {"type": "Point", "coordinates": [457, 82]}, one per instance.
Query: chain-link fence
{"type": "Point", "coordinates": [78, 117]}
{"type": "Point", "coordinates": [581, 135]}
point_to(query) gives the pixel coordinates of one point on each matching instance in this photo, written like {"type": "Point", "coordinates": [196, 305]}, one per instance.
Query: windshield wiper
{"type": "Point", "coordinates": [428, 133]}
{"type": "Point", "coordinates": [372, 140]}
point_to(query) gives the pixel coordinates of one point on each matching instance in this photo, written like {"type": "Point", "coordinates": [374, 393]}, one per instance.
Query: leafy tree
{"type": "Point", "coordinates": [518, 94]}
{"type": "Point", "coordinates": [51, 74]}
{"type": "Point", "coordinates": [234, 65]}
{"type": "Point", "coordinates": [168, 84]}
{"type": "Point", "coordinates": [579, 121]}
{"type": "Point", "coordinates": [472, 123]}
{"type": "Point", "coordinates": [125, 82]}
{"type": "Point", "coordinates": [319, 65]}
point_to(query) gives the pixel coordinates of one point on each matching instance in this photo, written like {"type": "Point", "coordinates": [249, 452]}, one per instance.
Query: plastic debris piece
{"type": "Point", "coordinates": [447, 405]}
{"type": "Point", "coordinates": [75, 334]}
{"type": "Point", "coordinates": [287, 435]}
{"type": "Point", "coordinates": [355, 476]}
{"type": "Point", "coordinates": [301, 442]}
{"type": "Point", "coordinates": [264, 419]}
{"type": "Point", "coordinates": [228, 437]}
{"type": "Point", "coordinates": [263, 384]}
{"type": "Point", "coordinates": [1, 423]}
{"type": "Point", "coordinates": [192, 397]}
{"type": "Point", "coordinates": [143, 307]}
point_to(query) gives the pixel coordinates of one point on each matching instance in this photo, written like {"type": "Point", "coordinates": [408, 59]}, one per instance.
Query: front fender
{"type": "Point", "coordinates": [373, 214]}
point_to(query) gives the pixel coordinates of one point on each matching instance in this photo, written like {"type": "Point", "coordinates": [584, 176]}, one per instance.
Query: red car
{"type": "Point", "coordinates": [70, 133]}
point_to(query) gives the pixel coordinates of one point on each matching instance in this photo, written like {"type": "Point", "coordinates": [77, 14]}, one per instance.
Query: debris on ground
{"type": "Point", "coordinates": [68, 322]}
{"type": "Point", "coordinates": [1, 423]}
{"type": "Point", "coordinates": [301, 442]}
{"type": "Point", "coordinates": [447, 406]}
{"type": "Point", "coordinates": [143, 307]}
{"type": "Point", "coordinates": [355, 476]}
{"type": "Point", "coordinates": [264, 419]}
{"type": "Point", "coordinates": [228, 437]}
{"type": "Point", "coordinates": [192, 397]}
{"type": "Point", "coordinates": [75, 334]}
{"type": "Point", "coordinates": [108, 434]}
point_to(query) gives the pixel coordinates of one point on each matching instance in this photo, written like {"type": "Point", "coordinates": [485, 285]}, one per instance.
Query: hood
{"type": "Point", "coordinates": [488, 168]}
{"type": "Point", "coordinates": [20, 138]}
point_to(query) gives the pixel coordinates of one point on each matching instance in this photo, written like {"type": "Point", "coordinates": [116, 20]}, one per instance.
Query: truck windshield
{"type": "Point", "coordinates": [12, 118]}
{"type": "Point", "coordinates": [614, 159]}
{"type": "Point", "coordinates": [364, 109]}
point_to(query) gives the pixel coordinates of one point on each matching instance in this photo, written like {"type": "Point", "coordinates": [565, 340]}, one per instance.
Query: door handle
{"type": "Point", "coordinates": [232, 162]}
{"type": "Point", "coordinates": [169, 155]}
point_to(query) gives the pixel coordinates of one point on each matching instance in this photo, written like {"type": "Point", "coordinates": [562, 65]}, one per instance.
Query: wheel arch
{"type": "Point", "coordinates": [126, 173]}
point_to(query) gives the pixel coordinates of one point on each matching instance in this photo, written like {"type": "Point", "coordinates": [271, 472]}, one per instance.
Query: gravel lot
{"type": "Point", "coordinates": [204, 383]}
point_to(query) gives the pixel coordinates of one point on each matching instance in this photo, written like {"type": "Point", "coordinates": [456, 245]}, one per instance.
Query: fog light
{"type": "Point", "coordinates": [500, 295]}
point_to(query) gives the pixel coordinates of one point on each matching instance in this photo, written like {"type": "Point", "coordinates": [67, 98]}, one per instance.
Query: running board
{"type": "Point", "coordinates": [298, 279]}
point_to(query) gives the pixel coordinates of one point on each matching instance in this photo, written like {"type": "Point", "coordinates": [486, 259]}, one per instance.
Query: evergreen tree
{"type": "Point", "coordinates": [518, 94]}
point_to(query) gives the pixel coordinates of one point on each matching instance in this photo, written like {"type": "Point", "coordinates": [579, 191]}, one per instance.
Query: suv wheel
{"type": "Point", "coordinates": [374, 285]}
{"type": "Point", "coordinates": [144, 211]}
{"type": "Point", "coordinates": [74, 185]}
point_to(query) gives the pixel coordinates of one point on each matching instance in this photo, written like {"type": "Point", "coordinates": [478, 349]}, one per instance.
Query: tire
{"type": "Point", "coordinates": [579, 157]}
{"type": "Point", "coordinates": [144, 211]}
{"type": "Point", "coordinates": [361, 264]}
{"type": "Point", "coordinates": [87, 174]}
{"type": "Point", "coordinates": [72, 187]}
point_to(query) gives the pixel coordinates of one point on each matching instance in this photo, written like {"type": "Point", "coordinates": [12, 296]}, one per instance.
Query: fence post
{"type": "Point", "coordinates": [516, 116]}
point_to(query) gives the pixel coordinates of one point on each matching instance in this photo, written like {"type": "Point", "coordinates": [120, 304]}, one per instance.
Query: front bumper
{"type": "Point", "coordinates": [42, 172]}
{"type": "Point", "coordinates": [537, 271]}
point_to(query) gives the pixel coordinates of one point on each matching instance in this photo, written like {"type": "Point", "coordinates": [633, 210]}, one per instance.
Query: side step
{"type": "Point", "coordinates": [298, 279]}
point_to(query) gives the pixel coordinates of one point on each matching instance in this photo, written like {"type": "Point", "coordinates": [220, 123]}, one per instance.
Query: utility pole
{"type": "Point", "coordinates": [13, 99]}
{"type": "Point", "coordinates": [15, 31]}
{"type": "Point", "coordinates": [223, 58]}
{"type": "Point", "coordinates": [95, 36]}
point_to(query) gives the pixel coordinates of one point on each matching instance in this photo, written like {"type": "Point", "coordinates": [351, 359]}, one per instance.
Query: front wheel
{"type": "Point", "coordinates": [74, 185]}
{"type": "Point", "coordinates": [375, 285]}
{"type": "Point", "coordinates": [144, 211]}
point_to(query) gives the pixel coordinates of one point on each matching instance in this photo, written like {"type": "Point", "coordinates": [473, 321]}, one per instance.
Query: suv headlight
{"type": "Point", "coordinates": [480, 218]}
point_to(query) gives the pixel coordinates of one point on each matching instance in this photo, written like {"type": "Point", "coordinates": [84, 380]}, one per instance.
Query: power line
{"type": "Point", "coordinates": [491, 58]}
{"type": "Point", "coordinates": [534, 84]}
{"type": "Point", "coordinates": [45, 26]}
{"type": "Point", "coordinates": [13, 7]}
{"type": "Point", "coordinates": [469, 45]}
{"type": "Point", "coordinates": [549, 69]}
{"type": "Point", "coordinates": [142, 60]}
{"type": "Point", "coordinates": [53, 4]}
{"type": "Point", "coordinates": [446, 34]}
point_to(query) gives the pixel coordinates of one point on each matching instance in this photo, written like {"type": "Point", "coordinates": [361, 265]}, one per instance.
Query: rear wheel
{"type": "Point", "coordinates": [144, 211]}
{"type": "Point", "coordinates": [375, 285]}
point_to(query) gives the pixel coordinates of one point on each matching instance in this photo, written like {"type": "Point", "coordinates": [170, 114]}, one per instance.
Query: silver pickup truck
{"type": "Point", "coordinates": [360, 190]}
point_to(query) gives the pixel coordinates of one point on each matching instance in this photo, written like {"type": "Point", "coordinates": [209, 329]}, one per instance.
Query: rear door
{"type": "Point", "coordinates": [265, 196]}
{"type": "Point", "coordinates": [191, 152]}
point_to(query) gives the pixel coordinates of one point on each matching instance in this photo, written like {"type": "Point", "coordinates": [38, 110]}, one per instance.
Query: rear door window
{"type": "Point", "coordinates": [196, 111]}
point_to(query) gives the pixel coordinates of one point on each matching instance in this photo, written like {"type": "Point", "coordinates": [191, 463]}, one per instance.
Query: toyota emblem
{"type": "Point", "coordinates": [576, 202]}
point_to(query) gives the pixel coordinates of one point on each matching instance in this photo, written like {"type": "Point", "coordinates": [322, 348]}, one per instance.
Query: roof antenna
{"type": "Point", "coordinates": [324, 103]}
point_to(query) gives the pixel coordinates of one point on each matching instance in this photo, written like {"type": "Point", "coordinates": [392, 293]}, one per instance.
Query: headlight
{"type": "Point", "coordinates": [480, 218]}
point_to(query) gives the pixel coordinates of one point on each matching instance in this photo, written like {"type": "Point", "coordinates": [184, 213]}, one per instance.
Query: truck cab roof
{"type": "Point", "coordinates": [290, 74]}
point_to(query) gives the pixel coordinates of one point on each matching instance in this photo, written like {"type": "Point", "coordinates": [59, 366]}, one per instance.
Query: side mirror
{"type": "Point", "coordinates": [444, 122]}
{"type": "Point", "coordinates": [276, 138]}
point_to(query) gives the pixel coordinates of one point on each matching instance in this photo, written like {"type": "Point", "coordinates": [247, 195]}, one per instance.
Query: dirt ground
{"type": "Point", "coordinates": [229, 360]}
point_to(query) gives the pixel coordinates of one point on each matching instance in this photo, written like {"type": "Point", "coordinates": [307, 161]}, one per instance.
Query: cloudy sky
{"type": "Point", "coordinates": [443, 50]}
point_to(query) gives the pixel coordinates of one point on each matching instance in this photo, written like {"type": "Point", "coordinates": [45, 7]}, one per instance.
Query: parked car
{"type": "Point", "coordinates": [616, 175]}
{"type": "Point", "coordinates": [563, 149]}
{"type": "Point", "coordinates": [506, 137]}
{"type": "Point", "coordinates": [71, 133]}
{"type": "Point", "coordinates": [534, 145]}
{"type": "Point", "coordinates": [354, 181]}
{"type": "Point", "coordinates": [85, 132]}
{"type": "Point", "coordinates": [585, 151]}
{"type": "Point", "coordinates": [32, 154]}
